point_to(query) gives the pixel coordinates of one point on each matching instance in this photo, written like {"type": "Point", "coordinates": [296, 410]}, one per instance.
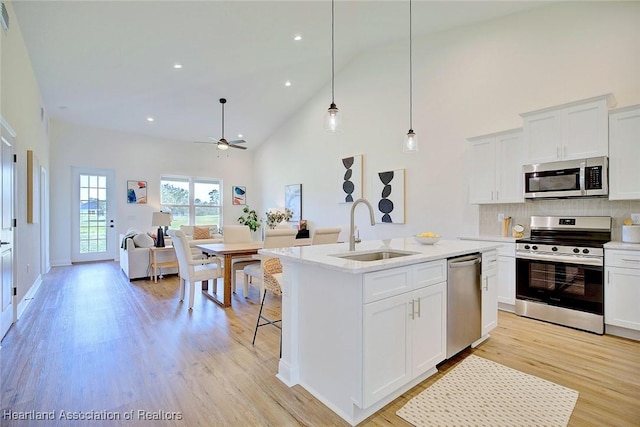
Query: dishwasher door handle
{"type": "Point", "coordinates": [464, 263]}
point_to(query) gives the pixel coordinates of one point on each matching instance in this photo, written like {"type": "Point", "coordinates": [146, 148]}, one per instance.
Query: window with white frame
{"type": "Point", "coordinates": [192, 201]}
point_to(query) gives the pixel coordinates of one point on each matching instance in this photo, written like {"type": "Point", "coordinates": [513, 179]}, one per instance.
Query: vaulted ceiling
{"type": "Point", "coordinates": [110, 64]}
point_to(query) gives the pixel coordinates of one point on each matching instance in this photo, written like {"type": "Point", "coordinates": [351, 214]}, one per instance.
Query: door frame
{"type": "Point", "coordinates": [111, 252]}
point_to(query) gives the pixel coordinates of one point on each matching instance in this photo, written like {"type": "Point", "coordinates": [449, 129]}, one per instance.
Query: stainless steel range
{"type": "Point", "coordinates": [560, 271]}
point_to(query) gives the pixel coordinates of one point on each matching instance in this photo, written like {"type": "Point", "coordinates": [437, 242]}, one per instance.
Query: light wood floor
{"type": "Point", "coordinates": [93, 341]}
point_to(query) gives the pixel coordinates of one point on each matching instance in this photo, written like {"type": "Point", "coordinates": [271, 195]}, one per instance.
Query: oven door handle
{"type": "Point", "coordinates": [580, 260]}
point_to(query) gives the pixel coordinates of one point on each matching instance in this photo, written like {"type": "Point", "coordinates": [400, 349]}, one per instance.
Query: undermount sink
{"type": "Point", "coordinates": [374, 256]}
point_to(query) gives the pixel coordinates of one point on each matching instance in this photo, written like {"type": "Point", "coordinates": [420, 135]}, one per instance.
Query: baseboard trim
{"type": "Point", "coordinates": [24, 303]}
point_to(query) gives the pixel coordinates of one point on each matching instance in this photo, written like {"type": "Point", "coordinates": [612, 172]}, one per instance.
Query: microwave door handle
{"type": "Point", "coordinates": [582, 172]}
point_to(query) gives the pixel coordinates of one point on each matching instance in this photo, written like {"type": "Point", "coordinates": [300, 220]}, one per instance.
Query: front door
{"type": "Point", "coordinates": [7, 163]}
{"type": "Point", "coordinates": [93, 215]}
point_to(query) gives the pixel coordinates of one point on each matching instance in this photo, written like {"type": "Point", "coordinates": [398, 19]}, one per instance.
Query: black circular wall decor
{"type": "Point", "coordinates": [384, 204]}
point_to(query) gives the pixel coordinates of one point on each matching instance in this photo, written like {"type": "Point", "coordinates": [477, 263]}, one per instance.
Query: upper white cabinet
{"type": "Point", "coordinates": [496, 168]}
{"type": "Point", "coordinates": [572, 131]}
{"type": "Point", "coordinates": [624, 152]}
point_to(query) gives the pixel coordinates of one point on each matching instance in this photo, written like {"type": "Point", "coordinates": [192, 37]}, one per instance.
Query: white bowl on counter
{"type": "Point", "coordinates": [426, 240]}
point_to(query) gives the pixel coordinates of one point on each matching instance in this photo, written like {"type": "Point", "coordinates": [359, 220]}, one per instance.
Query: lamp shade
{"type": "Point", "coordinates": [161, 219]}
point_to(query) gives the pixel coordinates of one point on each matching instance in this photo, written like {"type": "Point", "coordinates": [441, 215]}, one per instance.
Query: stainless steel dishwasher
{"type": "Point", "coordinates": [464, 302]}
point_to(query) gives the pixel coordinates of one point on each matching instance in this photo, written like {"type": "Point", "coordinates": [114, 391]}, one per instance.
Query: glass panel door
{"type": "Point", "coordinates": [94, 227]}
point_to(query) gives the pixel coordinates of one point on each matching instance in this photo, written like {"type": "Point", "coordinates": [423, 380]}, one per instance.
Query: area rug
{"type": "Point", "coordinates": [479, 392]}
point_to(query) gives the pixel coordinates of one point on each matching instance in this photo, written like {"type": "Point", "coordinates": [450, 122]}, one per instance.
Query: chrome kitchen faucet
{"type": "Point", "coordinates": [352, 233]}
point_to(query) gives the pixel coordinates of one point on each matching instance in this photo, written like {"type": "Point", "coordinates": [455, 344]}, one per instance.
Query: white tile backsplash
{"type": "Point", "coordinates": [520, 213]}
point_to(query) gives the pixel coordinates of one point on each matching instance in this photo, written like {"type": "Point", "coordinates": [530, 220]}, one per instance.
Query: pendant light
{"type": "Point", "coordinates": [410, 144]}
{"type": "Point", "coordinates": [332, 120]}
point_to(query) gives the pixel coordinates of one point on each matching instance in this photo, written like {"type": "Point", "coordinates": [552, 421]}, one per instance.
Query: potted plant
{"type": "Point", "coordinates": [275, 217]}
{"type": "Point", "coordinates": [249, 218]}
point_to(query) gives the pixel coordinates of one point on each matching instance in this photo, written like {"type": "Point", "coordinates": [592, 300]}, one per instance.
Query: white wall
{"type": "Point", "coordinates": [20, 104]}
{"type": "Point", "coordinates": [135, 157]}
{"type": "Point", "coordinates": [467, 82]}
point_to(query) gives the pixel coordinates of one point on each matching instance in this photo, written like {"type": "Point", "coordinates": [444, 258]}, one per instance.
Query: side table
{"type": "Point", "coordinates": [155, 265]}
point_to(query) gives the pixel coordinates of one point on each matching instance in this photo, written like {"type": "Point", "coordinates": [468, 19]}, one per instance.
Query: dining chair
{"type": "Point", "coordinates": [192, 269]}
{"type": "Point", "coordinates": [238, 234]}
{"type": "Point", "coordinates": [275, 238]}
{"type": "Point", "coordinates": [271, 280]}
{"type": "Point", "coordinates": [323, 236]}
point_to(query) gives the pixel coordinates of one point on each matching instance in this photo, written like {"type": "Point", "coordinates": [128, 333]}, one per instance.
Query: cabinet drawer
{"type": "Point", "coordinates": [628, 259]}
{"type": "Point", "coordinates": [430, 273]}
{"type": "Point", "coordinates": [387, 283]}
{"type": "Point", "coordinates": [507, 249]}
{"type": "Point", "coordinates": [489, 262]}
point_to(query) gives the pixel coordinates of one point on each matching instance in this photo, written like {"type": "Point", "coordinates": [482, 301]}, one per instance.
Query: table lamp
{"type": "Point", "coordinates": [160, 219]}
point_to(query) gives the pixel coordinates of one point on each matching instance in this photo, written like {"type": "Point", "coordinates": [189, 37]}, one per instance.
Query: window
{"type": "Point", "coordinates": [192, 201]}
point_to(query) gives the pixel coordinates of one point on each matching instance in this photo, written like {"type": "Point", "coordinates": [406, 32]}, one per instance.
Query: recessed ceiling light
{"type": "Point", "coordinates": [177, 66]}
{"type": "Point", "coordinates": [150, 119]}
{"type": "Point", "coordinates": [287, 83]}
{"type": "Point", "coordinates": [240, 135]}
{"type": "Point", "coordinates": [298, 38]}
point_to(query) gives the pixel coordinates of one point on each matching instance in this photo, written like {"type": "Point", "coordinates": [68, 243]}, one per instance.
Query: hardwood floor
{"type": "Point", "coordinates": [92, 342]}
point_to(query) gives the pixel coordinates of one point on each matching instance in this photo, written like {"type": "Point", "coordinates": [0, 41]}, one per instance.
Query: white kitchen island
{"type": "Point", "coordinates": [357, 334]}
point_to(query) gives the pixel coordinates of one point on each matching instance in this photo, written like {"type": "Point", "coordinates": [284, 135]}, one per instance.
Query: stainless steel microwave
{"type": "Point", "coordinates": [571, 178]}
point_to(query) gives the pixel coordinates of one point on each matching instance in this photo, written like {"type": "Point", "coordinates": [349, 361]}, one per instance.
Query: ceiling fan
{"type": "Point", "coordinates": [222, 143]}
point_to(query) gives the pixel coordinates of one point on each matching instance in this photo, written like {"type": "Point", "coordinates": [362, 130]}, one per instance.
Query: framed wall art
{"type": "Point", "coordinates": [388, 196]}
{"type": "Point", "coordinates": [137, 192]}
{"type": "Point", "coordinates": [350, 179]}
{"type": "Point", "coordinates": [239, 195]}
{"type": "Point", "coordinates": [293, 200]}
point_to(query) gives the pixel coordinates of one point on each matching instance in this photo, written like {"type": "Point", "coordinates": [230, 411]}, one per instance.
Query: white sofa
{"type": "Point", "coordinates": [135, 261]}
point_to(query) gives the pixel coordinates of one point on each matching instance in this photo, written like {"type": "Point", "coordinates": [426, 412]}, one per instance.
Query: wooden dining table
{"type": "Point", "coordinates": [227, 251]}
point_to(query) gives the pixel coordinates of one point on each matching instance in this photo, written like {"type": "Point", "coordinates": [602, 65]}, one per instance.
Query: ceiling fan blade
{"type": "Point", "coordinates": [238, 146]}
{"type": "Point", "coordinates": [237, 141]}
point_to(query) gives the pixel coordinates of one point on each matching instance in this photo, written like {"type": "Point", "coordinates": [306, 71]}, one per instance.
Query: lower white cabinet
{"type": "Point", "coordinates": [622, 289]}
{"type": "Point", "coordinates": [489, 287]}
{"type": "Point", "coordinates": [405, 333]}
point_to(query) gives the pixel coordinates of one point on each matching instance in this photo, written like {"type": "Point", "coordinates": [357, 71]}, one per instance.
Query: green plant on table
{"type": "Point", "coordinates": [250, 218]}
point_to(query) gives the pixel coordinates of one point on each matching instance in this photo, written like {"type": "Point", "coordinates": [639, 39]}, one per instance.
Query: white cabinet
{"type": "Point", "coordinates": [624, 152]}
{"type": "Point", "coordinates": [622, 290]}
{"type": "Point", "coordinates": [489, 287]}
{"type": "Point", "coordinates": [496, 168]}
{"type": "Point", "coordinates": [404, 330]}
{"type": "Point", "coordinates": [572, 131]}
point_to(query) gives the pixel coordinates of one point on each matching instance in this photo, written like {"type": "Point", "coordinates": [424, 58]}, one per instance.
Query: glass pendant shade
{"type": "Point", "coordinates": [410, 144]}
{"type": "Point", "coordinates": [332, 120]}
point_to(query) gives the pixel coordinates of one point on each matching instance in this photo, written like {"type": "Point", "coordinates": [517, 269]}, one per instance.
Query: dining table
{"type": "Point", "coordinates": [227, 251]}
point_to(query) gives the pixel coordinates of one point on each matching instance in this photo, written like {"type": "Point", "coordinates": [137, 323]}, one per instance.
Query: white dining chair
{"type": "Point", "coordinates": [323, 236]}
{"type": "Point", "coordinates": [276, 238]}
{"type": "Point", "coordinates": [192, 269]}
{"type": "Point", "coordinates": [238, 234]}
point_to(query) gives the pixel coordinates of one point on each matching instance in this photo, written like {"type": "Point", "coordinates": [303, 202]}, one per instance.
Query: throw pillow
{"type": "Point", "coordinates": [143, 240]}
{"type": "Point", "coordinates": [201, 233]}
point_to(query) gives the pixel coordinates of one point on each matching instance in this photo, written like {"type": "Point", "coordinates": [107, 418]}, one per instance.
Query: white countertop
{"type": "Point", "coordinates": [623, 246]}
{"type": "Point", "coordinates": [491, 238]}
{"type": "Point", "coordinates": [321, 254]}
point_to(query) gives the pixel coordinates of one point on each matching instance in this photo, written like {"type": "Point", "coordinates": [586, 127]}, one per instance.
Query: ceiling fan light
{"type": "Point", "coordinates": [333, 120]}
{"type": "Point", "coordinates": [223, 146]}
{"type": "Point", "coordinates": [410, 144]}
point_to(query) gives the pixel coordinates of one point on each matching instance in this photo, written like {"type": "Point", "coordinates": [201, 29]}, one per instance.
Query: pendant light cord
{"type": "Point", "coordinates": [410, 70]}
{"type": "Point", "coordinates": [332, 53]}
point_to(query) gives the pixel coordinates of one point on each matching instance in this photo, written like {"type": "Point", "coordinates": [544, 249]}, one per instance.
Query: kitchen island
{"type": "Point", "coordinates": [357, 334]}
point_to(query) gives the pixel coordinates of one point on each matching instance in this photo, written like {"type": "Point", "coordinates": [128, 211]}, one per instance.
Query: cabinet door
{"type": "Point", "coordinates": [509, 152]}
{"type": "Point", "coordinates": [386, 364]}
{"type": "Point", "coordinates": [483, 171]}
{"type": "Point", "coordinates": [621, 296]}
{"type": "Point", "coordinates": [507, 280]}
{"type": "Point", "coordinates": [542, 137]}
{"type": "Point", "coordinates": [428, 327]}
{"type": "Point", "coordinates": [585, 131]}
{"type": "Point", "coordinates": [489, 291]}
{"type": "Point", "coordinates": [624, 152]}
